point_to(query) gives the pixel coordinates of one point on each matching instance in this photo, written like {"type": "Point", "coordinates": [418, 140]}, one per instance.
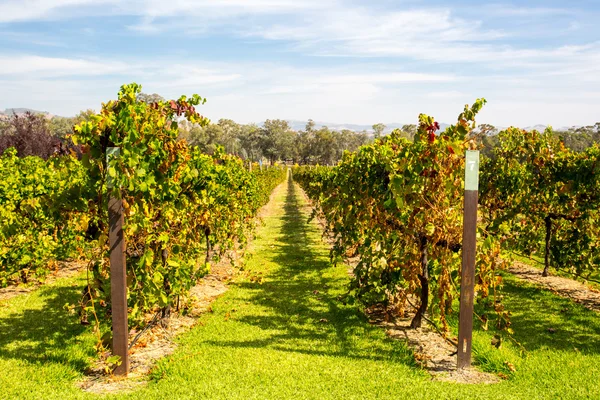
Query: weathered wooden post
{"type": "Point", "coordinates": [118, 273]}
{"type": "Point", "coordinates": [467, 278]}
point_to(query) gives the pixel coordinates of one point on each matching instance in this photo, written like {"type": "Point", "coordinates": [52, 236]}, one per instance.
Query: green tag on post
{"type": "Point", "coordinates": [111, 152]}
{"type": "Point", "coordinates": [472, 170]}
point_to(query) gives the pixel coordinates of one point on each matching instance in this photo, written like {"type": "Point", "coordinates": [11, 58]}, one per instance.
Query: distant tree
{"type": "Point", "coordinates": [184, 128]}
{"type": "Point", "coordinates": [213, 136]}
{"type": "Point", "coordinates": [409, 131]}
{"type": "Point", "coordinates": [378, 130]}
{"type": "Point", "coordinates": [150, 98]}
{"type": "Point", "coordinates": [84, 115]}
{"type": "Point", "coordinates": [198, 136]}
{"type": "Point", "coordinates": [325, 146]}
{"type": "Point", "coordinates": [596, 132]}
{"type": "Point", "coordinates": [286, 145]}
{"type": "Point", "coordinates": [61, 126]}
{"type": "Point", "coordinates": [362, 138]}
{"type": "Point", "coordinates": [305, 142]}
{"type": "Point", "coordinates": [486, 130]}
{"type": "Point", "coordinates": [486, 135]}
{"type": "Point", "coordinates": [250, 140]}
{"type": "Point", "coordinates": [345, 141]}
{"type": "Point", "coordinates": [274, 139]}
{"type": "Point", "coordinates": [30, 135]}
{"type": "Point", "coordinates": [579, 138]}
{"type": "Point", "coordinates": [230, 139]}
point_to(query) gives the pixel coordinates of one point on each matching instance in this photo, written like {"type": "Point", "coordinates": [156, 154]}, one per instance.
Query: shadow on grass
{"type": "Point", "coordinates": [541, 319]}
{"type": "Point", "coordinates": [305, 315]}
{"type": "Point", "coordinates": [46, 334]}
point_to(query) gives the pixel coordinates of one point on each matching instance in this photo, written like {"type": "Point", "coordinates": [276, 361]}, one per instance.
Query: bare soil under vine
{"type": "Point", "coordinates": [577, 291]}
{"type": "Point", "coordinates": [158, 341]}
{"type": "Point", "coordinates": [64, 269]}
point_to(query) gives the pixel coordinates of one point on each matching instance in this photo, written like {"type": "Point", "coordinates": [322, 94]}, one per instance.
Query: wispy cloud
{"type": "Point", "coordinates": [326, 28]}
{"type": "Point", "coordinates": [343, 29]}
{"type": "Point", "coordinates": [30, 38]}
{"type": "Point", "coordinates": [344, 60]}
{"type": "Point", "coordinates": [28, 10]}
{"type": "Point", "coordinates": [512, 10]}
{"type": "Point", "coordinates": [57, 67]}
{"type": "Point", "coordinates": [450, 94]}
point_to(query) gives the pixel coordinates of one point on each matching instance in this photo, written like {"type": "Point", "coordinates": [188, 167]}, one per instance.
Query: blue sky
{"type": "Point", "coordinates": [536, 62]}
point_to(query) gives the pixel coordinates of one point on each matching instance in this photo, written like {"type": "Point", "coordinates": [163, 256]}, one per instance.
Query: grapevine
{"type": "Point", "coordinates": [397, 205]}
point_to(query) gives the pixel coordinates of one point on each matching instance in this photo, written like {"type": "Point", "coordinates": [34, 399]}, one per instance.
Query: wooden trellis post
{"type": "Point", "coordinates": [118, 274]}
{"type": "Point", "coordinates": [467, 278]}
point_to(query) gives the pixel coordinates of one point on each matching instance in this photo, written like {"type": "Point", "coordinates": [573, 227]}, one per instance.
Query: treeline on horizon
{"type": "Point", "coordinates": [275, 140]}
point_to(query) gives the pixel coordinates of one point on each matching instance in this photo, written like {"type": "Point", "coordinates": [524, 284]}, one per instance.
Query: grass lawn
{"type": "Point", "coordinates": [285, 336]}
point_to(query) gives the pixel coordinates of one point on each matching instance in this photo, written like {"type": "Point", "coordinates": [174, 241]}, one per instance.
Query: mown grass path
{"type": "Point", "coordinates": [281, 333]}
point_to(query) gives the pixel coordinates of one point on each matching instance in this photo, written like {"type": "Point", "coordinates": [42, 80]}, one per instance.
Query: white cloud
{"type": "Point", "coordinates": [505, 10]}
{"type": "Point", "coordinates": [176, 75]}
{"type": "Point", "coordinates": [254, 82]}
{"type": "Point", "coordinates": [388, 77]}
{"type": "Point", "coordinates": [391, 64]}
{"type": "Point", "coordinates": [328, 28]}
{"type": "Point", "coordinates": [449, 94]}
{"type": "Point", "coordinates": [28, 10]}
{"type": "Point", "coordinates": [55, 66]}
{"type": "Point", "coordinates": [412, 35]}
{"type": "Point", "coordinates": [252, 92]}
{"type": "Point", "coordinates": [344, 29]}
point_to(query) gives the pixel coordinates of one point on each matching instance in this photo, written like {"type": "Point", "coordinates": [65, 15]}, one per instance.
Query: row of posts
{"type": "Point", "coordinates": [118, 273]}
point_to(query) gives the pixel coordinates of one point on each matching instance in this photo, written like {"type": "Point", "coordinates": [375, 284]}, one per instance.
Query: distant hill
{"type": "Point", "coordinates": [542, 128]}
{"type": "Point", "coordinates": [6, 114]}
{"type": "Point", "coordinates": [538, 127]}
{"type": "Point", "coordinates": [301, 125]}
{"type": "Point", "coordinates": [19, 111]}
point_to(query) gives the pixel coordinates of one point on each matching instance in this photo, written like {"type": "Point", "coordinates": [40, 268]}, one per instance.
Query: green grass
{"type": "Point", "coordinates": [289, 338]}
{"type": "Point", "coordinates": [43, 348]}
{"type": "Point", "coordinates": [561, 338]}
